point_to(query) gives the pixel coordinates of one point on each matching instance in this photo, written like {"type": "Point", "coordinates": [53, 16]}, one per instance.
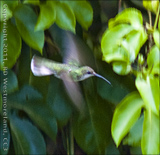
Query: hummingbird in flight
{"type": "Point", "coordinates": [43, 67]}
{"type": "Point", "coordinates": [75, 53]}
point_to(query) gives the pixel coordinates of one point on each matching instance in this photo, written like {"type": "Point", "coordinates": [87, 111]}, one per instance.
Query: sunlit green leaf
{"type": "Point", "coordinates": [10, 45]}
{"type": "Point", "coordinates": [111, 41]}
{"type": "Point", "coordinates": [150, 138]}
{"type": "Point", "coordinates": [65, 17]}
{"type": "Point", "coordinates": [27, 139]}
{"type": "Point", "coordinates": [159, 24]}
{"type": "Point", "coordinates": [26, 21]}
{"type": "Point", "coordinates": [125, 115]}
{"type": "Point", "coordinates": [47, 16]}
{"type": "Point", "coordinates": [135, 134]}
{"type": "Point", "coordinates": [153, 60]}
{"type": "Point", "coordinates": [151, 5]}
{"type": "Point", "coordinates": [133, 43]}
{"type": "Point", "coordinates": [149, 90]}
{"type": "Point", "coordinates": [121, 68]}
{"type": "Point", "coordinates": [128, 16]}
{"type": "Point", "coordinates": [83, 12]}
{"type": "Point", "coordinates": [156, 37]}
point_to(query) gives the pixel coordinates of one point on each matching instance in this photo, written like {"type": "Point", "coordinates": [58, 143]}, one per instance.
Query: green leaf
{"type": "Point", "coordinates": [26, 21]}
{"type": "Point", "coordinates": [65, 17]}
{"type": "Point", "coordinates": [149, 91]}
{"type": "Point", "coordinates": [83, 12]}
{"type": "Point", "coordinates": [24, 66]}
{"type": "Point", "coordinates": [47, 16]}
{"type": "Point", "coordinates": [156, 37]}
{"type": "Point", "coordinates": [135, 134]}
{"type": "Point", "coordinates": [153, 60]}
{"type": "Point", "coordinates": [92, 128]}
{"type": "Point", "coordinates": [35, 2]}
{"type": "Point", "coordinates": [7, 8]}
{"type": "Point", "coordinates": [130, 16]}
{"type": "Point", "coordinates": [151, 5]}
{"type": "Point", "coordinates": [30, 101]}
{"type": "Point", "coordinates": [59, 101]}
{"type": "Point", "coordinates": [8, 82]}
{"type": "Point", "coordinates": [27, 139]}
{"type": "Point", "coordinates": [111, 43]}
{"type": "Point", "coordinates": [121, 68]}
{"type": "Point", "coordinates": [133, 43]}
{"type": "Point", "coordinates": [10, 45]}
{"type": "Point", "coordinates": [125, 115]}
{"type": "Point", "coordinates": [150, 138]}
{"type": "Point", "coordinates": [159, 24]}
{"type": "Point", "coordinates": [5, 136]}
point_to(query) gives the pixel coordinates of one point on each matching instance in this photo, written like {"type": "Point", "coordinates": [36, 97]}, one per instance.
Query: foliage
{"type": "Point", "coordinates": [121, 44]}
{"type": "Point", "coordinates": [37, 113]}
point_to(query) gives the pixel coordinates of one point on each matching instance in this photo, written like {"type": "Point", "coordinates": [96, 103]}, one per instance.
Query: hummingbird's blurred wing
{"type": "Point", "coordinates": [74, 93]}
{"type": "Point", "coordinates": [72, 48]}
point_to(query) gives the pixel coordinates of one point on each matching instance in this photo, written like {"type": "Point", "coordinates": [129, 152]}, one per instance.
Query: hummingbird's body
{"type": "Point", "coordinates": [41, 67]}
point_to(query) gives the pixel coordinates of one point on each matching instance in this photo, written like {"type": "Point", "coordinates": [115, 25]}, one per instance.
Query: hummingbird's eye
{"type": "Point", "coordinates": [88, 72]}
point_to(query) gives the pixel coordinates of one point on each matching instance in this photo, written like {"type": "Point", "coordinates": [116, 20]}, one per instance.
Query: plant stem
{"type": "Point", "coordinates": [71, 139]}
{"type": "Point", "coordinates": [156, 20]}
{"type": "Point", "coordinates": [119, 5]}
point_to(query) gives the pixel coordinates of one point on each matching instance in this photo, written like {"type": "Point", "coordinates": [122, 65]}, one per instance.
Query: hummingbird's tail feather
{"type": "Point", "coordinates": [38, 68]}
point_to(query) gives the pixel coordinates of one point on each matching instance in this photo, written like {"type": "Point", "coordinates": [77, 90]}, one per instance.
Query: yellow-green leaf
{"type": "Point", "coordinates": [125, 115]}
{"type": "Point", "coordinates": [149, 90]}
{"type": "Point", "coordinates": [150, 139]}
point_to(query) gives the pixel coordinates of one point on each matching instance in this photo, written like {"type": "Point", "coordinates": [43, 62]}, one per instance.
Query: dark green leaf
{"type": "Point", "coordinates": [26, 21]}
{"type": "Point", "coordinates": [8, 82]}
{"type": "Point", "coordinates": [24, 63]}
{"type": "Point", "coordinates": [150, 138]}
{"type": "Point", "coordinates": [10, 46]}
{"type": "Point", "coordinates": [89, 132]}
{"type": "Point", "coordinates": [27, 139]}
{"type": "Point", "coordinates": [47, 16]}
{"type": "Point", "coordinates": [135, 134]}
{"type": "Point", "coordinates": [5, 136]}
{"type": "Point", "coordinates": [30, 101]}
{"type": "Point", "coordinates": [149, 91]}
{"type": "Point", "coordinates": [125, 115]}
{"type": "Point", "coordinates": [35, 2]}
{"type": "Point", "coordinates": [59, 102]}
{"type": "Point", "coordinates": [65, 17]}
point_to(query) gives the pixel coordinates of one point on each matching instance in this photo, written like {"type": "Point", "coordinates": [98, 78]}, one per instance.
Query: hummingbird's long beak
{"type": "Point", "coordinates": [97, 75]}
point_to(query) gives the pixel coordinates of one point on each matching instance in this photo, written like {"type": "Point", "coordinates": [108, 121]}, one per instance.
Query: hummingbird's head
{"type": "Point", "coordinates": [88, 72]}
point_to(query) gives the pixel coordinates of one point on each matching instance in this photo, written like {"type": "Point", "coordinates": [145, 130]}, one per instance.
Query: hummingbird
{"type": "Point", "coordinates": [43, 67]}
{"type": "Point", "coordinates": [73, 68]}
